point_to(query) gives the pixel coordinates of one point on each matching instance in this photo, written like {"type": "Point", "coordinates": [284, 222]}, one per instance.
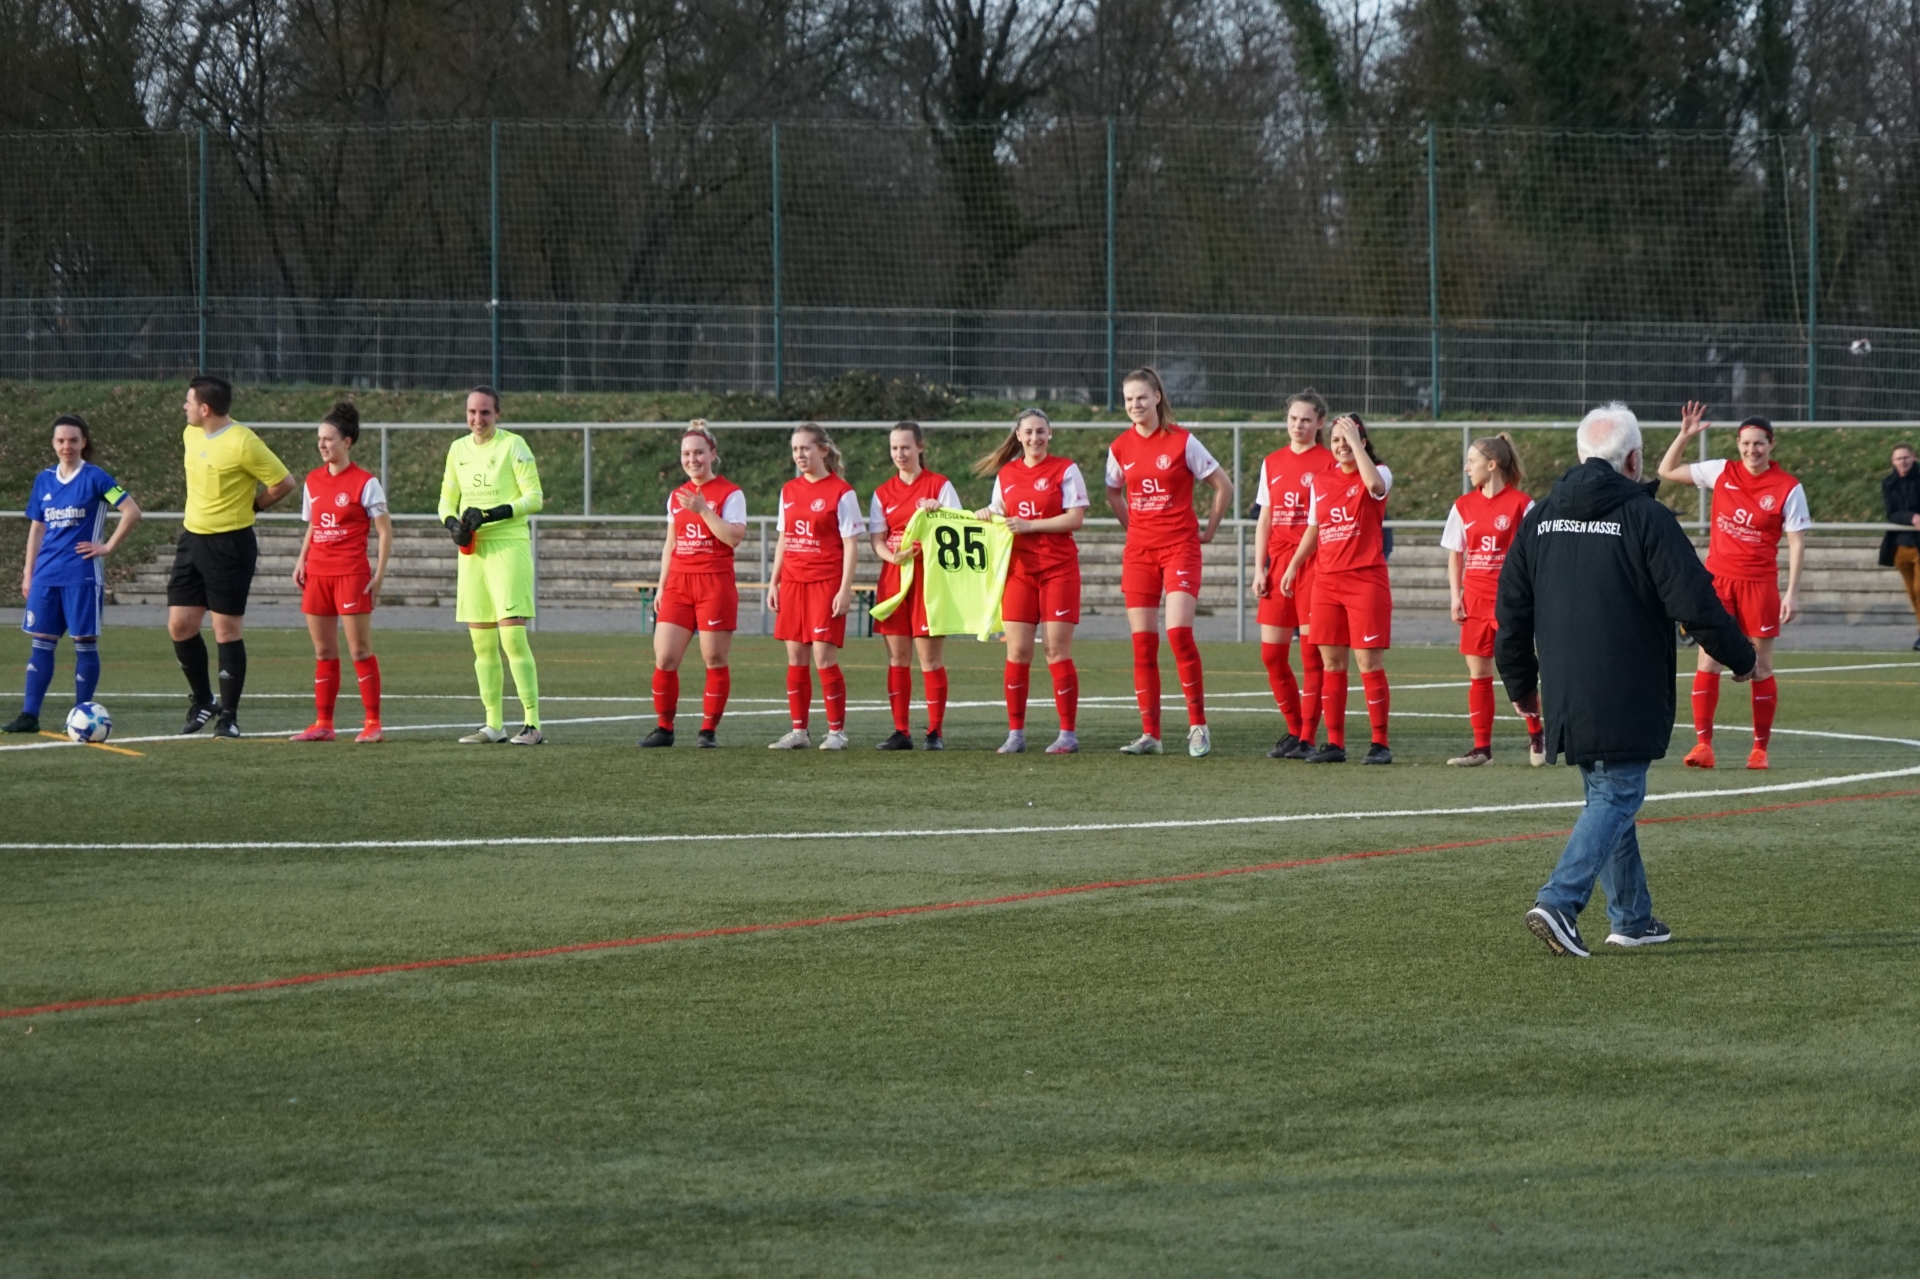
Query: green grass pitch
{"type": "Point", "coordinates": [1365, 1067]}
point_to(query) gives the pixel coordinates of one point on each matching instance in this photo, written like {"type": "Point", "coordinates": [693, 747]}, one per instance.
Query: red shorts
{"type": "Point", "coordinates": [1287, 610]}
{"type": "Point", "coordinates": [1754, 605]}
{"type": "Point", "coordinates": [911, 617]}
{"type": "Point", "coordinates": [339, 595]}
{"type": "Point", "coordinates": [699, 602]}
{"type": "Point", "coordinates": [1476, 635]}
{"type": "Point", "coordinates": [1049, 596]}
{"type": "Point", "coordinates": [1353, 608]}
{"type": "Point", "coordinates": [806, 615]}
{"type": "Point", "coordinates": [1148, 573]}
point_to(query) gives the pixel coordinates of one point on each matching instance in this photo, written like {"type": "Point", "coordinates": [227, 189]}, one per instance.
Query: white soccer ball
{"type": "Point", "coordinates": [89, 722]}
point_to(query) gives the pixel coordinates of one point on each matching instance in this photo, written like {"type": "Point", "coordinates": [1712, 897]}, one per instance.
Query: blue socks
{"type": "Point", "coordinates": [86, 670]}
{"type": "Point", "coordinates": [40, 674]}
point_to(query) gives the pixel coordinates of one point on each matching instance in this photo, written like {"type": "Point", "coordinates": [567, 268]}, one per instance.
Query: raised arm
{"type": "Point", "coordinates": [1674, 467]}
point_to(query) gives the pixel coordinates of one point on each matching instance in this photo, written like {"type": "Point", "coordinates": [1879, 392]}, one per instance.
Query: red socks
{"type": "Point", "coordinates": [1066, 692]}
{"type": "Point", "coordinates": [1333, 706]}
{"type": "Point", "coordinates": [1706, 699]}
{"type": "Point", "coordinates": [1379, 699]}
{"type": "Point", "coordinates": [1146, 680]}
{"type": "Point", "coordinates": [1018, 676]}
{"type": "Point", "coordinates": [1186, 660]}
{"type": "Point", "coordinates": [900, 696]}
{"type": "Point", "coordinates": [936, 686]}
{"type": "Point", "coordinates": [799, 695]}
{"type": "Point", "coordinates": [1480, 712]}
{"type": "Point", "coordinates": [326, 689]}
{"type": "Point", "coordinates": [833, 691]}
{"type": "Point", "coordinates": [1313, 674]}
{"type": "Point", "coordinates": [1286, 692]}
{"type": "Point", "coordinates": [713, 702]}
{"type": "Point", "coordinates": [366, 672]}
{"type": "Point", "coordinates": [1766, 696]}
{"type": "Point", "coordinates": [666, 697]}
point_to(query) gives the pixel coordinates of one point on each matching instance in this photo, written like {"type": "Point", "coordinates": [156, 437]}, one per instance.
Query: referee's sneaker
{"type": "Point", "coordinates": [213, 562]}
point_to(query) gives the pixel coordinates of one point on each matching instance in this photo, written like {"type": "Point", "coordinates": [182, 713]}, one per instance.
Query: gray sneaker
{"type": "Point", "coordinates": [529, 735]}
{"type": "Point", "coordinates": [835, 741]}
{"type": "Point", "coordinates": [485, 735]}
{"type": "Point", "coordinates": [796, 740]}
{"type": "Point", "coordinates": [1142, 745]}
{"type": "Point", "coordinates": [1652, 935]}
{"type": "Point", "coordinates": [1016, 743]}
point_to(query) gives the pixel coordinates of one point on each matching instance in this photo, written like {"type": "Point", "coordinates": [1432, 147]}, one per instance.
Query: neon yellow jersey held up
{"type": "Point", "coordinates": [964, 561]}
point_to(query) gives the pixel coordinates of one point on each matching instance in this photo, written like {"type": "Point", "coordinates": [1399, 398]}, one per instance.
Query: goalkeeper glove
{"type": "Point", "coordinates": [496, 513]}
{"type": "Point", "coordinates": [462, 535]}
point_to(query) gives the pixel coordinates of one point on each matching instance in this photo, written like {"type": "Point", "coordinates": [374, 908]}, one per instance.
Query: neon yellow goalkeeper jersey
{"type": "Point", "coordinates": [964, 561]}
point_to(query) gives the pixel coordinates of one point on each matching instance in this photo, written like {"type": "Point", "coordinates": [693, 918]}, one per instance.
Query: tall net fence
{"type": "Point", "coordinates": [1484, 271]}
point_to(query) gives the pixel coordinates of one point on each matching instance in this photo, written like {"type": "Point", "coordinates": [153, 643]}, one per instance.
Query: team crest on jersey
{"type": "Point", "coordinates": [819, 503]}
{"type": "Point", "coordinates": [339, 499]}
{"type": "Point", "coordinates": [1163, 461]}
{"type": "Point", "coordinates": [1502, 523]}
{"type": "Point", "coordinates": [1352, 489]}
{"type": "Point", "coordinates": [1766, 502]}
{"type": "Point", "coordinates": [1040, 485]}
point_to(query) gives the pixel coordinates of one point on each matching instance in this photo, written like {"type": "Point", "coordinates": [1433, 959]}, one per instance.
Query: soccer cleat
{"type": "Point", "coordinates": [797, 739]}
{"type": "Point", "coordinates": [934, 742]}
{"type": "Point", "coordinates": [896, 741]}
{"type": "Point", "coordinates": [1757, 759]}
{"type": "Point", "coordinates": [1537, 748]}
{"type": "Point", "coordinates": [1377, 753]}
{"type": "Point", "coordinates": [199, 715]}
{"type": "Point", "coordinates": [314, 733]}
{"type": "Point", "coordinates": [1068, 743]}
{"type": "Point", "coordinates": [225, 725]}
{"type": "Point", "coordinates": [1916, 645]}
{"type": "Point", "coordinates": [1142, 745]}
{"type": "Point", "coordinates": [1199, 741]}
{"type": "Point", "coordinates": [485, 735]}
{"type": "Point", "coordinates": [836, 740]}
{"type": "Point", "coordinates": [22, 723]}
{"type": "Point", "coordinates": [1652, 935]}
{"type": "Point", "coordinates": [1016, 744]}
{"type": "Point", "coordinates": [529, 735]}
{"type": "Point", "coordinates": [371, 732]}
{"type": "Point", "coordinates": [1284, 745]}
{"type": "Point", "coordinates": [1474, 758]}
{"type": "Point", "coordinates": [1701, 756]}
{"type": "Point", "coordinates": [706, 740]}
{"type": "Point", "coordinates": [1328, 754]}
{"type": "Point", "coordinates": [1301, 748]}
{"type": "Point", "coordinates": [1557, 930]}
{"type": "Point", "coordinates": [658, 737]}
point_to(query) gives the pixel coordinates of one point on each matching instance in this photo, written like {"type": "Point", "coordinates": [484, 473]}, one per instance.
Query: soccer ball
{"type": "Point", "coordinates": [89, 722]}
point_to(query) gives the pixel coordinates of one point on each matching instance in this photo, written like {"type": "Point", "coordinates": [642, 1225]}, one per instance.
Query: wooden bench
{"type": "Point", "coordinates": [865, 596]}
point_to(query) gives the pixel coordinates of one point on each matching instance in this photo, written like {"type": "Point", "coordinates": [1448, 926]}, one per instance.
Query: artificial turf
{"type": "Point", "coordinates": [1365, 1067]}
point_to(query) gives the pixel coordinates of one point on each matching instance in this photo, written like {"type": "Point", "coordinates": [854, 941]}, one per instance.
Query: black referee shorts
{"type": "Point", "coordinates": [213, 571]}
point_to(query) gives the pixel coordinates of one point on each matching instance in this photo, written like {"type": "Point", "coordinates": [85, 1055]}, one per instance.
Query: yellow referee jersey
{"type": "Point", "coordinates": [222, 470]}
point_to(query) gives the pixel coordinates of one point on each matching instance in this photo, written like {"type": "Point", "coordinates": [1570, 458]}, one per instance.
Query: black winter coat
{"type": "Point", "coordinates": [1901, 496]}
{"type": "Point", "coordinates": [1596, 578]}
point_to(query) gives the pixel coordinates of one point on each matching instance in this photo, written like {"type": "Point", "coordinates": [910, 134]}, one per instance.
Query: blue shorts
{"type": "Point", "coordinates": [64, 610]}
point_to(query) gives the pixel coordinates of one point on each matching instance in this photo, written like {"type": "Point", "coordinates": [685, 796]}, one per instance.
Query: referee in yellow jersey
{"type": "Point", "coordinates": [488, 490]}
{"type": "Point", "coordinates": [213, 562]}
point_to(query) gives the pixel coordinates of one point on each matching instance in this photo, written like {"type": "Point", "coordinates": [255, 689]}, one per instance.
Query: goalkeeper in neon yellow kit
{"type": "Point", "coordinates": [489, 489]}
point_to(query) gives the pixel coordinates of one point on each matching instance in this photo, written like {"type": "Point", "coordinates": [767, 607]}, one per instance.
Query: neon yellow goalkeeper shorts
{"type": "Point", "coordinates": [496, 581]}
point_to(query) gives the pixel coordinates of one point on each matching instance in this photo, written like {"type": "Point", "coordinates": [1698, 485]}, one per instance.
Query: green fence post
{"type": "Point", "coordinates": [493, 249]}
{"type": "Point", "coordinates": [779, 302]}
{"type": "Point", "coordinates": [1433, 273]}
{"type": "Point", "coordinates": [1813, 275]}
{"type": "Point", "coordinates": [1113, 292]}
{"type": "Point", "coordinates": [200, 273]}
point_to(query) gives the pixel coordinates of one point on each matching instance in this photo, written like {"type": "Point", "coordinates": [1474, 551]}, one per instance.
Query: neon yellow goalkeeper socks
{"type": "Point", "coordinates": [486, 669]}
{"type": "Point", "coordinates": [526, 676]}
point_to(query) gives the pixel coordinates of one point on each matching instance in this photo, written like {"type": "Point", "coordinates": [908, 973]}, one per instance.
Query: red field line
{"type": "Point", "coordinates": [892, 912]}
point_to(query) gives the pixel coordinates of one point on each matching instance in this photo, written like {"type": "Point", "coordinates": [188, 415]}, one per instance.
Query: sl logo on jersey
{"type": "Point", "coordinates": [1163, 461]}
{"type": "Point", "coordinates": [819, 503]}
{"type": "Point", "coordinates": [339, 499]}
{"type": "Point", "coordinates": [1502, 523]}
{"type": "Point", "coordinates": [1766, 502]}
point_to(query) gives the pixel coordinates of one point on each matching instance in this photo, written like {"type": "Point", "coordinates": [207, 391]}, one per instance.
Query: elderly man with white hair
{"type": "Point", "coordinates": [1597, 576]}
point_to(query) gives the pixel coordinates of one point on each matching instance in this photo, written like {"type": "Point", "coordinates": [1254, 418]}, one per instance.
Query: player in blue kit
{"type": "Point", "coordinates": [64, 581]}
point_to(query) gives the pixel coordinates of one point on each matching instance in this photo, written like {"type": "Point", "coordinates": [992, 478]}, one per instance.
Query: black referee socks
{"type": "Point", "coordinates": [233, 675]}
{"type": "Point", "coordinates": [192, 655]}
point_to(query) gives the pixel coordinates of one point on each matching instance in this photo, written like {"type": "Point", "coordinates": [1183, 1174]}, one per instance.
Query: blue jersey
{"type": "Point", "coordinates": [74, 511]}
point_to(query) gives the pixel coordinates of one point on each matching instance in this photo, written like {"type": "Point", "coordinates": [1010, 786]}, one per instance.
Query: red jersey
{"type": "Point", "coordinates": [340, 508]}
{"type": "Point", "coordinates": [1482, 529]}
{"type": "Point", "coordinates": [1286, 491]}
{"type": "Point", "coordinates": [894, 503]}
{"type": "Point", "coordinates": [1750, 512]}
{"type": "Point", "coordinates": [1351, 521]}
{"type": "Point", "coordinates": [695, 548]}
{"type": "Point", "coordinates": [1041, 492]}
{"type": "Point", "coordinates": [1158, 472]}
{"type": "Point", "coordinates": [815, 516]}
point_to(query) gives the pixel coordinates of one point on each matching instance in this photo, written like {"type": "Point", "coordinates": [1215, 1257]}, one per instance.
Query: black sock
{"type": "Point", "coordinates": [233, 675]}
{"type": "Point", "coordinates": [192, 654]}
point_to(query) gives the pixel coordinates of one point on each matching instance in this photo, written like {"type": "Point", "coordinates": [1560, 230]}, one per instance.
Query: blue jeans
{"type": "Point", "coordinates": [1605, 846]}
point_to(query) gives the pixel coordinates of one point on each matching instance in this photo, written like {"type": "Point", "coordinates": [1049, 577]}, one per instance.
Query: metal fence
{"type": "Point", "coordinates": [1485, 271]}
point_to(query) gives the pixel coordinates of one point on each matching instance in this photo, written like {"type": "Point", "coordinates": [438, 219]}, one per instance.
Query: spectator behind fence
{"type": "Point", "coordinates": [1900, 490]}
{"type": "Point", "coordinates": [1589, 594]}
